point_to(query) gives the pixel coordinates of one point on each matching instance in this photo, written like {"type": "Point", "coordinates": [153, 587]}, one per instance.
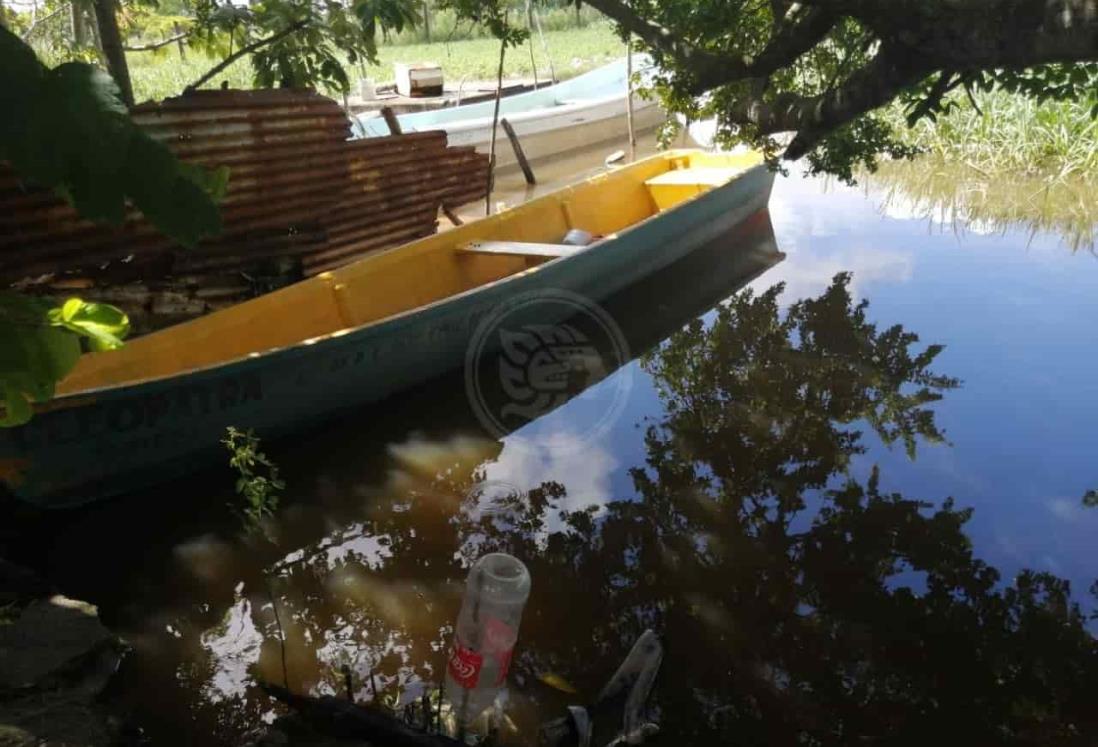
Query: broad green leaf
{"type": "Point", "coordinates": [40, 345]}
{"type": "Point", "coordinates": [71, 308]}
{"type": "Point", "coordinates": [17, 410]}
{"type": "Point", "coordinates": [103, 325]}
{"type": "Point", "coordinates": [34, 355]}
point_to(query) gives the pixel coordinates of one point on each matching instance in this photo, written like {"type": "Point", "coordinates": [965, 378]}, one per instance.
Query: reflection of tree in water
{"type": "Point", "coordinates": [797, 605]}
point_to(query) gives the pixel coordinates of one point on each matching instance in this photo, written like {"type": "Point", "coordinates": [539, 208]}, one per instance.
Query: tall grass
{"type": "Point", "coordinates": [445, 26]}
{"type": "Point", "coordinates": [572, 51]}
{"type": "Point", "coordinates": [1011, 135]}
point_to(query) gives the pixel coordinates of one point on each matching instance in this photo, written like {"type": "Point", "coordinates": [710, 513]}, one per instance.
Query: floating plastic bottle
{"type": "Point", "coordinates": [485, 634]}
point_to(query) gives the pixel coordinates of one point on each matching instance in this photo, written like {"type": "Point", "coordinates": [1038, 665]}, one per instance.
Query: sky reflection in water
{"type": "Point", "coordinates": [780, 620]}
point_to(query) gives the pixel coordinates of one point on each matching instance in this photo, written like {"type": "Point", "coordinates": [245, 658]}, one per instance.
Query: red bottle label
{"type": "Point", "coordinates": [465, 666]}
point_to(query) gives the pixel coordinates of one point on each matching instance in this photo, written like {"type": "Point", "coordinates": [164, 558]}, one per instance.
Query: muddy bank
{"type": "Point", "coordinates": [56, 658]}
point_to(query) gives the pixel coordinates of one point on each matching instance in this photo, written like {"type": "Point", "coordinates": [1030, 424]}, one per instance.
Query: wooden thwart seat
{"type": "Point", "coordinates": [518, 248]}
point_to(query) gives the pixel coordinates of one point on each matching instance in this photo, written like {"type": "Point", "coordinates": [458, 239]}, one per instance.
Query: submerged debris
{"type": "Point", "coordinates": [628, 688]}
{"type": "Point", "coordinates": [341, 718]}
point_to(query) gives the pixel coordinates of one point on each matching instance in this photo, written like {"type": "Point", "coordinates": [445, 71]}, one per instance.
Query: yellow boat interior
{"type": "Point", "coordinates": [408, 277]}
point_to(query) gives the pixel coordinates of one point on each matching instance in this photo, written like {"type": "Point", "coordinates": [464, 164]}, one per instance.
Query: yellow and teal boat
{"type": "Point", "coordinates": [160, 406]}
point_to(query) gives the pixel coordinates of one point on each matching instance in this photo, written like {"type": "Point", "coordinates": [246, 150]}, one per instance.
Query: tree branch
{"type": "Point", "coordinates": [157, 45]}
{"type": "Point", "coordinates": [795, 36]}
{"type": "Point", "coordinates": [1068, 32]}
{"type": "Point", "coordinates": [216, 69]}
{"type": "Point", "coordinates": [971, 98]}
{"type": "Point", "coordinates": [813, 116]}
{"type": "Point", "coordinates": [933, 100]}
{"type": "Point", "coordinates": [859, 7]}
{"type": "Point", "coordinates": [40, 21]}
{"type": "Point", "coordinates": [916, 39]}
{"type": "Point", "coordinates": [652, 33]}
{"type": "Point", "coordinates": [792, 39]}
{"type": "Point", "coordinates": [662, 39]}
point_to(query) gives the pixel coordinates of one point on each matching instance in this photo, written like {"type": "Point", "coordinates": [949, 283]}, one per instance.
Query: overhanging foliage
{"type": "Point", "coordinates": [67, 129]}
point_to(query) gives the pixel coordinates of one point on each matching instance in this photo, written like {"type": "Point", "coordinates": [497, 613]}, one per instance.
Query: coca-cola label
{"type": "Point", "coordinates": [465, 666]}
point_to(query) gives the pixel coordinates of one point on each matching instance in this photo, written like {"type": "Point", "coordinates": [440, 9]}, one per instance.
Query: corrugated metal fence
{"type": "Point", "coordinates": [302, 199]}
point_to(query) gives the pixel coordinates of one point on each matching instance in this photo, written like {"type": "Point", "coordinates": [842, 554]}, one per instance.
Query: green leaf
{"type": "Point", "coordinates": [40, 345]}
{"type": "Point", "coordinates": [71, 308]}
{"type": "Point", "coordinates": [103, 325]}
{"type": "Point", "coordinates": [34, 354]}
{"type": "Point", "coordinates": [17, 410]}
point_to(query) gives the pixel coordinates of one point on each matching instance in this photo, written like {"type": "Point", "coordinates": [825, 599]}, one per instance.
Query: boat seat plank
{"type": "Point", "coordinates": [519, 248]}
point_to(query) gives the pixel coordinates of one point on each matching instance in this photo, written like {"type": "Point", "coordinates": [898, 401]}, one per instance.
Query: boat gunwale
{"type": "Point", "coordinates": [641, 65]}
{"type": "Point", "coordinates": [80, 397]}
{"type": "Point", "coordinates": [463, 126]}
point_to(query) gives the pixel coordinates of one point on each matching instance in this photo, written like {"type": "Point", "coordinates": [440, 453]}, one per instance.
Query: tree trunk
{"type": "Point", "coordinates": [91, 28]}
{"type": "Point", "coordinates": [182, 47]}
{"type": "Point", "coordinates": [79, 29]}
{"type": "Point", "coordinates": [111, 40]}
{"type": "Point", "coordinates": [427, 20]}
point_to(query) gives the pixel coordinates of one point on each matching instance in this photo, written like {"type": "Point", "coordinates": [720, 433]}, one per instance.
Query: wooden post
{"type": "Point", "coordinates": [530, 28]}
{"type": "Point", "coordinates": [495, 121]}
{"type": "Point", "coordinates": [629, 97]}
{"type": "Point", "coordinates": [111, 39]}
{"type": "Point", "coordinates": [79, 30]}
{"type": "Point", "coordinates": [451, 215]}
{"type": "Point", "coordinates": [545, 47]}
{"type": "Point", "coordinates": [391, 120]}
{"type": "Point", "coordinates": [178, 30]}
{"type": "Point", "coordinates": [517, 147]}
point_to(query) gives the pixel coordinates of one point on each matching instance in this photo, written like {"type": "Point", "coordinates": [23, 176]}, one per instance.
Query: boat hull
{"type": "Point", "coordinates": [88, 446]}
{"type": "Point", "coordinates": [557, 119]}
{"type": "Point", "coordinates": [564, 132]}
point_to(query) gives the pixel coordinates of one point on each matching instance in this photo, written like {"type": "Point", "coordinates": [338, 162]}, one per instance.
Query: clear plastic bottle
{"type": "Point", "coordinates": [484, 637]}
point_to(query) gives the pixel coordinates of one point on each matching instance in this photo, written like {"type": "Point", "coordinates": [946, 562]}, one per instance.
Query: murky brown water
{"type": "Point", "coordinates": [771, 499]}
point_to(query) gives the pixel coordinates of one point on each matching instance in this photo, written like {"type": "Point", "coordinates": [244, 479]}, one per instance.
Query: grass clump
{"type": "Point", "coordinates": [1010, 162]}
{"type": "Point", "coordinates": [445, 25]}
{"type": "Point", "coordinates": [1010, 135]}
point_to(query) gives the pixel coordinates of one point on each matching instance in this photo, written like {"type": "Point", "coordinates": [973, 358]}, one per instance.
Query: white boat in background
{"type": "Point", "coordinates": [585, 110]}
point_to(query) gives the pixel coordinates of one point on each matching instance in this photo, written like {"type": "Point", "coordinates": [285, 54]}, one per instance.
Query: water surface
{"type": "Point", "coordinates": [848, 497]}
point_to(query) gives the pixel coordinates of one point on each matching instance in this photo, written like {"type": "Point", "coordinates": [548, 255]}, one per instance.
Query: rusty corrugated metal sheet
{"type": "Point", "coordinates": [302, 199]}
